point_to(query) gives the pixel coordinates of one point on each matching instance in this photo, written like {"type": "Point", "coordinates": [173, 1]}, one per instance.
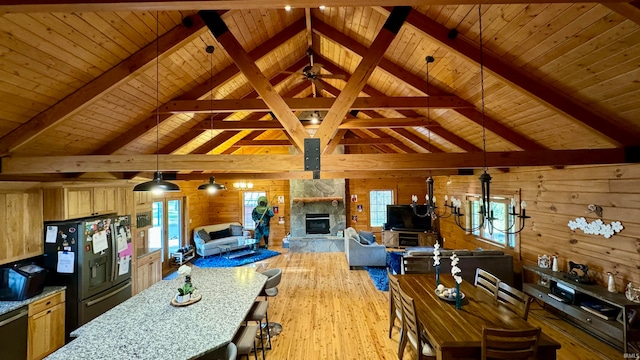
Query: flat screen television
{"type": "Point", "coordinates": [401, 217]}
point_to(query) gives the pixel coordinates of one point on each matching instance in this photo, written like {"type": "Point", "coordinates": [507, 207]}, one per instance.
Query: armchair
{"type": "Point", "coordinates": [359, 254]}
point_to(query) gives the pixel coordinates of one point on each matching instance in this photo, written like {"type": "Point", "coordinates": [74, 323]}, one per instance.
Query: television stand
{"type": "Point", "coordinates": [401, 238]}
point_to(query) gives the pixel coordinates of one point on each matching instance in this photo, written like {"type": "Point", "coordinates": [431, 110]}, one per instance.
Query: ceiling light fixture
{"type": "Point", "coordinates": [287, 7]}
{"type": "Point", "coordinates": [430, 198]}
{"type": "Point", "coordinates": [157, 185]}
{"type": "Point", "coordinates": [322, 7]}
{"type": "Point", "coordinates": [212, 186]}
{"type": "Point", "coordinates": [486, 210]}
{"type": "Point", "coordinates": [243, 185]}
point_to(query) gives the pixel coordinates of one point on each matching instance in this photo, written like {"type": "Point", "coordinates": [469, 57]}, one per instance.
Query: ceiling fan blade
{"type": "Point", "coordinates": [327, 76]}
{"type": "Point", "coordinates": [318, 84]}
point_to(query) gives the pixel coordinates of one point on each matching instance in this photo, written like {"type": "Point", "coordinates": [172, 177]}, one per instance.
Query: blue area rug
{"type": "Point", "coordinates": [221, 261]}
{"type": "Point", "coordinates": [378, 275]}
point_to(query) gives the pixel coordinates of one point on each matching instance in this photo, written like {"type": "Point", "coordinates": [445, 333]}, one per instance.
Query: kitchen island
{"type": "Point", "coordinates": [147, 326]}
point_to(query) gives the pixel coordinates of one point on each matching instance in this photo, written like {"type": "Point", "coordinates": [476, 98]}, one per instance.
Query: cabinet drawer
{"type": "Point", "coordinates": [45, 303]}
{"type": "Point", "coordinates": [607, 328]}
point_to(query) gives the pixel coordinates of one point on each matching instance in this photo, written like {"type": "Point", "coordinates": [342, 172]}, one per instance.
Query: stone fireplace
{"type": "Point", "coordinates": [322, 202]}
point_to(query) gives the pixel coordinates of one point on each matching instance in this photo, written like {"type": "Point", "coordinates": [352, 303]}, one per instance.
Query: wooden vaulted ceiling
{"type": "Point", "coordinates": [80, 85]}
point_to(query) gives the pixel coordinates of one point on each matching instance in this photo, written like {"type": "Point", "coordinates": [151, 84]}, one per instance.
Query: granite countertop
{"type": "Point", "coordinates": [142, 252]}
{"type": "Point", "coordinates": [147, 326]}
{"type": "Point", "coordinates": [6, 306]}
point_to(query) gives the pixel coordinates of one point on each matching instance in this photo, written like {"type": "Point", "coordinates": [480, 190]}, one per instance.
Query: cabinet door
{"type": "Point", "coordinates": [46, 332]}
{"type": "Point", "coordinates": [156, 271]}
{"type": "Point", "coordinates": [104, 200]}
{"type": "Point", "coordinates": [79, 202]}
{"type": "Point", "coordinates": [21, 225]}
{"type": "Point", "coordinates": [142, 277]}
{"type": "Point", "coordinates": [390, 239]}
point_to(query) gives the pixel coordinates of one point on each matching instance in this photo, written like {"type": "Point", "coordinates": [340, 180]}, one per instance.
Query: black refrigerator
{"type": "Point", "coordinates": [92, 258]}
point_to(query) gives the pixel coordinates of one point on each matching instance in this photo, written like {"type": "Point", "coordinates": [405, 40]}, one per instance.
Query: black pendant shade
{"type": "Point", "coordinates": [212, 186]}
{"type": "Point", "coordinates": [157, 185]}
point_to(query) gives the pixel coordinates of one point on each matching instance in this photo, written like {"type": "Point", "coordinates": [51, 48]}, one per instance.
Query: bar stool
{"type": "Point", "coordinates": [245, 341]}
{"type": "Point", "coordinates": [270, 290]}
{"type": "Point", "coordinates": [257, 313]}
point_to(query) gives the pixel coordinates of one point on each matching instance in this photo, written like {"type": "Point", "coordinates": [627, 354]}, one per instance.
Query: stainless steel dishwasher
{"type": "Point", "coordinates": [13, 334]}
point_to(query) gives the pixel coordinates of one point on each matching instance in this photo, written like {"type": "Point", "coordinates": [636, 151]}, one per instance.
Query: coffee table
{"type": "Point", "coordinates": [245, 246]}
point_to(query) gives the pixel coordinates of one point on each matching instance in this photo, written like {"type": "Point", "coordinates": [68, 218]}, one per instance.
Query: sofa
{"type": "Point", "coordinates": [494, 261]}
{"type": "Point", "coordinates": [208, 238]}
{"type": "Point", "coordinates": [362, 249]}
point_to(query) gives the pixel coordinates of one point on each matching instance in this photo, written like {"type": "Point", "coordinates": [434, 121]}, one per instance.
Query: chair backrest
{"type": "Point", "coordinates": [509, 344]}
{"type": "Point", "coordinates": [394, 295]}
{"type": "Point", "coordinates": [486, 281]}
{"type": "Point", "coordinates": [514, 299]}
{"type": "Point", "coordinates": [232, 351]}
{"type": "Point", "coordinates": [274, 276]}
{"type": "Point", "coordinates": [410, 324]}
{"type": "Point", "coordinates": [416, 264]}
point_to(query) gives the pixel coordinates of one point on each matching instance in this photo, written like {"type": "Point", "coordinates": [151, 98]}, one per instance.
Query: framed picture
{"type": "Point", "coordinates": [354, 218]}
{"type": "Point", "coordinates": [280, 199]}
{"type": "Point", "coordinates": [275, 209]}
{"type": "Point", "coordinates": [354, 198]}
{"type": "Point", "coordinates": [359, 208]}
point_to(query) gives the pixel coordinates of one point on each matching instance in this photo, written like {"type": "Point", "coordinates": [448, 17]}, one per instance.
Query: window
{"type": "Point", "coordinates": [378, 201]}
{"type": "Point", "coordinates": [250, 201]}
{"type": "Point", "coordinates": [502, 220]}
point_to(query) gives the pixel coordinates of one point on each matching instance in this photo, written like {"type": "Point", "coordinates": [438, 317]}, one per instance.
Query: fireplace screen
{"type": "Point", "coordinates": [317, 223]}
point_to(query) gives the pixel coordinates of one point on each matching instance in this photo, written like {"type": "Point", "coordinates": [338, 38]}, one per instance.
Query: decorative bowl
{"type": "Point", "coordinates": [449, 294]}
{"type": "Point", "coordinates": [632, 293]}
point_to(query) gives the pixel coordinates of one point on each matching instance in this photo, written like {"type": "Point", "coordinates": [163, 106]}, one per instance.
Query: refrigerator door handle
{"type": "Point", "coordinates": [114, 252]}
{"type": "Point", "coordinates": [102, 298]}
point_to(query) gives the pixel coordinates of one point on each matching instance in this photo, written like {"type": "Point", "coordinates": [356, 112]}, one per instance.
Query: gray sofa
{"type": "Point", "coordinates": [359, 254]}
{"type": "Point", "coordinates": [230, 234]}
{"type": "Point", "coordinates": [494, 261]}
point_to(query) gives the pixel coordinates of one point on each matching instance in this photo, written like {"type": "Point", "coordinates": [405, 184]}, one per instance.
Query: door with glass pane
{"type": "Point", "coordinates": [166, 232]}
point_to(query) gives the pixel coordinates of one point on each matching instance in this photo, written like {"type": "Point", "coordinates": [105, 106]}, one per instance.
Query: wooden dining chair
{"type": "Point", "coordinates": [509, 344]}
{"type": "Point", "coordinates": [411, 331]}
{"type": "Point", "coordinates": [514, 299]}
{"type": "Point", "coordinates": [395, 304]}
{"type": "Point", "coordinates": [486, 281]}
{"type": "Point", "coordinates": [415, 264]}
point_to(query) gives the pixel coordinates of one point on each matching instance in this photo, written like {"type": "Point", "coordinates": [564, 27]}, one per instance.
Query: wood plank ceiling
{"type": "Point", "coordinates": [557, 76]}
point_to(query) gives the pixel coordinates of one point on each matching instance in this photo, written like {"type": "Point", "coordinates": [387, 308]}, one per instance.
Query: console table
{"type": "Point", "coordinates": [404, 238]}
{"type": "Point", "coordinates": [617, 324]}
{"type": "Point", "coordinates": [180, 258]}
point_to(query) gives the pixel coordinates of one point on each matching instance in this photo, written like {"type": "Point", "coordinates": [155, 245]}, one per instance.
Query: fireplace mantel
{"type": "Point", "coordinates": [317, 199]}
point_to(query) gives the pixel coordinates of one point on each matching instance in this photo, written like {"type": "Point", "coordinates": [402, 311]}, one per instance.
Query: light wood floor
{"type": "Point", "coordinates": [330, 312]}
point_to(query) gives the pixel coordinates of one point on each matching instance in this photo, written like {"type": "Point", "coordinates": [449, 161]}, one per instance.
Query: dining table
{"type": "Point", "coordinates": [457, 333]}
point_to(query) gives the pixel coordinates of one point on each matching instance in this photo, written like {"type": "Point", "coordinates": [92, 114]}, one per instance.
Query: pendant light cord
{"type": "Point", "coordinates": [157, 94]}
{"type": "Point", "coordinates": [484, 135]}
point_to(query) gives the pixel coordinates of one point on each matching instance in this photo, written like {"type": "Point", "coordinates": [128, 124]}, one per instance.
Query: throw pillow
{"type": "Point", "coordinates": [363, 240]}
{"type": "Point", "coordinates": [368, 236]}
{"type": "Point", "coordinates": [236, 230]}
{"type": "Point", "coordinates": [202, 234]}
{"type": "Point", "coordinates": [220, 234]}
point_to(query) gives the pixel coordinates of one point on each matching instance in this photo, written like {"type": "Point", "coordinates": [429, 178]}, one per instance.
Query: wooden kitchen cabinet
{"type": "Point", "coordinates": [148, 271]}
{"type": "Point", "coordinates": [74, 203]}
{"type": "Point", "coordinates": [143, 199]}
{"type": "Point", "coordinates": [21, 223]}
{"type": "Point", "coordinates": [46, 326]}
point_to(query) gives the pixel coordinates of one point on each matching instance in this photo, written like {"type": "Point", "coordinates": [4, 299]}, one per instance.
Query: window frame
{"type": "Point", "coordinates": [484, 234]}
{"type": "Point", "coordinates": [375, 213]}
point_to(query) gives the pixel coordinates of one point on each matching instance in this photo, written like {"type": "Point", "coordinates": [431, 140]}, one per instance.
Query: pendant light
{"type": "Point", "coordinates": [157, 185]}
{"type": "Point", "coordinates": [486, 217]}
{"type": "Point", "coordinates": [432, 209]}
{"type": "Point", "coordinates": [212, 186]}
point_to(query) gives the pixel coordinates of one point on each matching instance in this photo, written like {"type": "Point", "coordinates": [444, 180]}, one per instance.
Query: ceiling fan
{"type": "Point", "coordinates": [313, 72]}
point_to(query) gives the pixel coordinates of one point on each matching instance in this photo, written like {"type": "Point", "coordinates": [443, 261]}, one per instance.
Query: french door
{"type": "Point", "coordinates": [168, 224]}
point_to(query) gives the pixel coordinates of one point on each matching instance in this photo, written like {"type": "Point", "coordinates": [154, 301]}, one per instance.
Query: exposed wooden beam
{"type": "Point", "coordinates": [402, 146]}
{"type": "Point", "coordinates": [346, 142]}
{"type": "Point", "coordinates": [202, 89]}
{"type": "Point", "coordinates": [298, 104]}
{"type": "Point", "coordinates": [528, 83]}
{"type": "Point", "coordinates": [332, 162]}
{"type": "Point", "coordinates": [373, 123]}
{"type": "Point", "coordinates": [86, 95]}
{"type": "Point", "coordinates": [371, 174]}
{"type": "Point", "coordinates": [333, 144]}
{"type": "Point", "coordinates": [358, 80]}
{"type": "Point", "coordinates": [419, 84]}
{"type": "Point", "coordinates": [253, 74]}
{"type": "Point", "coordinates": [630, 10]}
{"type": "Point", "coordinates": [168, 5]}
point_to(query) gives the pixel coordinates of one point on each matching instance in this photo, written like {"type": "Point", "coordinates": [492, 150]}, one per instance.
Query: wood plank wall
{"type": "Point", "coordinates": [226, 206]}
{"type": "Point", "coordinates": [554, 197]}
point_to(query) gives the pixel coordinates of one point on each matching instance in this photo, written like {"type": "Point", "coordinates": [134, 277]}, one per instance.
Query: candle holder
{"type": "Point", "coordinates": [458, 299]}
{"type": "Point", "coordinates": [437, 275]}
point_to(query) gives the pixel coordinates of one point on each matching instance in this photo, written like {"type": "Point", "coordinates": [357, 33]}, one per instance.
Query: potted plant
{"type": "Point", "coordinates": [185, 291]}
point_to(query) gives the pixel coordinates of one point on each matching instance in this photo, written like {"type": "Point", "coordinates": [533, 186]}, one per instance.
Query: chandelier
{"type": "Point", "coordinates": [243, 185]}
